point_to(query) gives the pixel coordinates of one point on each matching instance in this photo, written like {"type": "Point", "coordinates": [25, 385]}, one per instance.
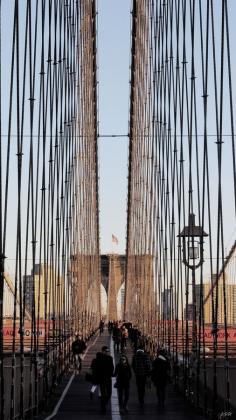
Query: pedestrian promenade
{"type": "Point", "coordinates": [77, 404]}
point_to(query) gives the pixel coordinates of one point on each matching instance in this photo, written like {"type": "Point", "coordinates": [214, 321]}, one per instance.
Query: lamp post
{"type": "Point", "coordinates": [192, 247]}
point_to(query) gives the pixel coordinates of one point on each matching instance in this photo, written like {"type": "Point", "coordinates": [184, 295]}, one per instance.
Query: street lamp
{"type": "Point", "coordinates": [192, 243]}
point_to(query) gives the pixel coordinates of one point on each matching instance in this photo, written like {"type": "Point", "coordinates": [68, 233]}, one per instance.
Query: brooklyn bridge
{"type": "Point", "coordinates": [170, 294]}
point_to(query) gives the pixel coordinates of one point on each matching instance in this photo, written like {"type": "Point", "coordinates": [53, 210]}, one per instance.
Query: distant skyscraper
{"type": "Point", "coordinates": [188, 312]}
{"type": "Point", "coordinates": [29, 292]}
{"type": "Point", "coordinates": [221, 294]}
{"type": "Point", "coordinates": [167, 304]}
{"type": "Point", "coordinates": [45, 290]}
{"type": "Point", "coordinates": [205, 290]}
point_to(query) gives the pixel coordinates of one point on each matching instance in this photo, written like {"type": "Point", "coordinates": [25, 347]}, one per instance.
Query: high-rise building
{"type": "Point", "coordinates": [29, 290]}
{"type": "Point", "coordinates": [167, 304]}
{"type": "Point", "coordinates": [189, 312]}
{"type": "Point", "coordinates": [45, 290]}
{"type": "Point", "coordinates": [224, 296]}
{"type": "Point", "coordinates": [9, 298]}
{"type": "Point", "coordinates": [202, 291]}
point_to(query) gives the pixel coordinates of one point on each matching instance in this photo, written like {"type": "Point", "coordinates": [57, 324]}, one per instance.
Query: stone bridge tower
{"type": "Point", "coordinates": [113, 276]}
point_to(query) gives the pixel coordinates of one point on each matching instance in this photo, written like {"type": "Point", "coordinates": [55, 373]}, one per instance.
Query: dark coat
{"type": "Point", "coordinates": [104, 367]}
{"type": "Point", "coordinates": [141, 363]}
{"type": "Point", "coordinates": [160, 370]}
{"type": "Point", "coordinates": [78, 346]}
{"type": "Point", "coordinates": [95, 371]}
{"type": "Point", "coordinates": [116, 334]}
{"type": "Point", "coordinates": [123, 375]}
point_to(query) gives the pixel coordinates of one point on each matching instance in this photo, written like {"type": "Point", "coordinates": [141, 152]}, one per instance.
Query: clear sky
{"type": "Point", "coordinates": [113, 75]}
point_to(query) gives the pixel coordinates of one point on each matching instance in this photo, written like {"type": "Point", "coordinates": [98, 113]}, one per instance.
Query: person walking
{"type": "Point", "coordinates": [110, 326]}
{"type": "Point", "coordinates": [141, 365]}
{"type": "Point", "coordinates": [124, 336]}
{"type": "Point", "coordinates": [101, 326]}
{"type": "Point", "coordinates": [134, 335]}
{"type": "Point", "coordinates": [95, 376]}
{"type": "Point", "coordinates": [105, 369]}
{"type": "Point", "coordinates": [160, 371]}
{"type": "Point", "coordinates": [78, 348]}
{"type": "Point", "coordinates": [117, 337]}
{"type": "Point", "coordinates": [123, 375]}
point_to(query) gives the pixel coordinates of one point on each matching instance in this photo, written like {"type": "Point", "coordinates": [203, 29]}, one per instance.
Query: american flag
{"type": "Point", "coordinates": [114, 239]}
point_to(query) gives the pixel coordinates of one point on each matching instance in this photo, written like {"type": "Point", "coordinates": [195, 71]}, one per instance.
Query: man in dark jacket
{"type": "Point", "coordinates": [101, 326]}
{"type": "Point", "coordinates": [123, 375]}
{"type": "Point", "coordinates": [78, 348]}
{"type": "Point", "coordinates": [105, 369]}
{"type": "Point", "coordinates": [117, 337]}
{"type": "Point", "coordinates": [160, 369]}
{"type": "Point", "coordinates": [141, 365]}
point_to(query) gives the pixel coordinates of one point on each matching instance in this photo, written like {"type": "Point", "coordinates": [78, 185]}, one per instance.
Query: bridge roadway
{"type": "Point", "coordinates": [77, 404]}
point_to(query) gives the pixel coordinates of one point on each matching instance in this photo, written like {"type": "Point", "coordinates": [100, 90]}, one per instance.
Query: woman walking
{"type": "Point", "coordinates": [123, 375]}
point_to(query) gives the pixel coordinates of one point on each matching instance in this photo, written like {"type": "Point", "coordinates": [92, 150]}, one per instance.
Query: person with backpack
{"type": "Point", "coordinates": [141, 365]}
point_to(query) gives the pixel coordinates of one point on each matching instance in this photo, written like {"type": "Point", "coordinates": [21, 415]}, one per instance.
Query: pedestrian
{"type": "Point", "coordinates": [78, 348]}
{"type": "Point", "coordinates": [110, 326]}
{"type": "Point", "coordinates": [95, 376]}
{"type": "Point", "coordinates": [105, 372]}
{"type": "Point", "coordinates": [124, 336]}
{"type": "Point", "coordinates": [141, 365]}
{"type": "Point", "coordinates": [117, 337]}
{"type": "Point", "coordinates": [123, 375]}
{"type": "Point", "coordinates": [135, 337]}
{"type": "Point", "coordinates": [160, 372]}
{"type": "Point", "coordinates": [101, 326]}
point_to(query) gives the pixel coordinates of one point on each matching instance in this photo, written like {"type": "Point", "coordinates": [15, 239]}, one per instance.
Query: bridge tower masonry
{"type": "Point", "coordinates": [113, 271]}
